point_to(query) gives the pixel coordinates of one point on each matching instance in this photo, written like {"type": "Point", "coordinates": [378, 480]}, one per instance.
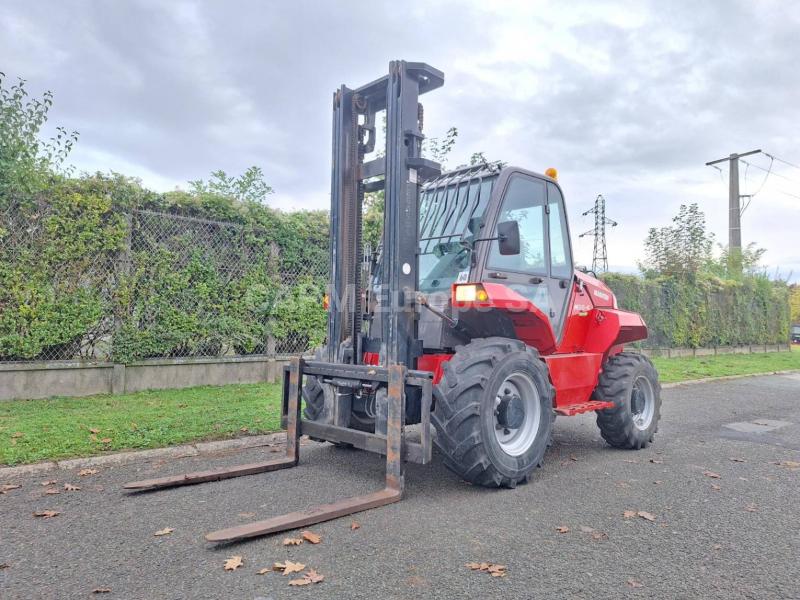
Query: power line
{"type": "Point", "coordinates": [774, 173]}
{"type": "Point", "coordinates": [788, 194]}
{"type": "Point", "coordinates": [786, 162]}
{"type": "Point", "coordinates": [761, 187]}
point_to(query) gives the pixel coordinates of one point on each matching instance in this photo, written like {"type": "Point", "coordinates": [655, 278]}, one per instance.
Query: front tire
{"type": "Point", "coordinates": [494, 412]}
{"type": "Point", "coordinates": [630, 381]}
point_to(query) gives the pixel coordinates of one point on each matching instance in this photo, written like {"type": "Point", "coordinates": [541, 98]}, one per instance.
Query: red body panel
{"type": "Point", "coordinates": [530, 323]}
{"type": "Point", "coordinates": [574, 376]}
{"type": "Point", "coordinates": [594, 329]}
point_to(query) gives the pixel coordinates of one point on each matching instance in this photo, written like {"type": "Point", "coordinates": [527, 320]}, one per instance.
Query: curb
{"type": "Point", "coordinates": [666, 386]}
{"type": "Point", "coordinates": [120, 458]}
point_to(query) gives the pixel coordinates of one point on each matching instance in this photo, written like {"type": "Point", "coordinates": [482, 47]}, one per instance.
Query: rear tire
{"type": "Point", "coordinates": [494, 412]}
{"type": "Point", "coordinates": [630, 381]}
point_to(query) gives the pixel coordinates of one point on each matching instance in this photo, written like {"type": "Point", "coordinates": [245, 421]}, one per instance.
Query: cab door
{"type": "Point", "coordinates": [541, 272]}
{"type": "Point", "coordinates": [561, 272]}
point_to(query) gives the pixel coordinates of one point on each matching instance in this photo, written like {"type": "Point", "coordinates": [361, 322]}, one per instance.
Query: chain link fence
{"type": "Point", "coordinates": [84, 282]}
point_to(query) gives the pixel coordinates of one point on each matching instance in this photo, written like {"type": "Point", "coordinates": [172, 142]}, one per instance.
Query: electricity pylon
{"type": "Point", "coordinates": [600, 257]}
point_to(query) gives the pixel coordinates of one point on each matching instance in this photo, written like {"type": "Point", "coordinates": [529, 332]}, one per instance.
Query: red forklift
{"type": "Point", "coordinates": [470, 322]}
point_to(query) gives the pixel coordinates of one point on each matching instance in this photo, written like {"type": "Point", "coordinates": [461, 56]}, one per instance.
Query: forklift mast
{"type": "Point", "coordinates": [399, 171]}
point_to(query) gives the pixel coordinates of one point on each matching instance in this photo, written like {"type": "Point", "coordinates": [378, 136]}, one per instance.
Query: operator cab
{"type": "Point", "coordinates": [466, 219]}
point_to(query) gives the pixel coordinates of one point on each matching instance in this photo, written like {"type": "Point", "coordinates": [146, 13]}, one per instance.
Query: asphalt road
{"type": "Point", "coordinates": [741, 540]}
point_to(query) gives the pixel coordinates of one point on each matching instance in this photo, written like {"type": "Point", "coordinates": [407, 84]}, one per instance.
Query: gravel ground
{"type": "Point", "coordinates": [735, 536]}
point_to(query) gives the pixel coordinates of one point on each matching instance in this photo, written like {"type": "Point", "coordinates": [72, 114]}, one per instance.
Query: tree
{"type": "Point", "coordinates": [680, 249]}
{"type": "Point", "coordinates": [734, 265]}
{"type": "Point", "coordinates": [438, 149]}
{"type": "Point", "coordinates": [794, 303]}
{"type": "Point", "coordinates": [248, 187]}
{"type": "Point", "coordinates": [26, 161]}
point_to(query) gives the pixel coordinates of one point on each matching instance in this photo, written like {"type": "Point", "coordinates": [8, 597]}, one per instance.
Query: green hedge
{"type": "Point", "coordinates": [706, 311]}
{"type": "Point", "coordinates": [89, 271]}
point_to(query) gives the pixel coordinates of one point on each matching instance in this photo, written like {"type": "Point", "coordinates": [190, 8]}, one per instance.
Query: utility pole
{"type": "Point", "coordinates": [600, 255]}
{"type": "Point", "coordinates": [734, 201]}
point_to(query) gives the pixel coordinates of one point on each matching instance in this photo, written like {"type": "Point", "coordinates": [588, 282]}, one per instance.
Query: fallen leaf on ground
{"type": "Point", "coordinates": [68, 487]}
{"type": "Point", "coordinates": [247, 515]}
{"type": "Point", "coordinates": [288, 567]}
{"type": "Point", "coordinates": [735, 459]}
{"type": "Point", "coordinates": [711, 474]}
{"type": "Point", "coordinates": [85, 472]}
{"type": "Point", "coordinates": [497, 570]}
{"type": "Point", "coordinates": [46, 514]}
{"type": "Point", "coordinates": [355, 525]}
{"type": "Point", "coordinates": [264, 571]}
{"type": "Point", "coordinates": [7, 487]}
{"type": "Point", "coordinates": [657, 482]}
{"type": "Point", "coordinates": [292, 541]}
{"type": "Point", "coordinates": [106, 440]}
{"type": "Point", "coordinates": [49, 482]}
{"type": "Point", "coordinates": [491, 568]}
{"type": "Point", "coordinates": [599, 535]}
{"type": "Point", "coordinates": [165, 531]}
{"type": "Point", "coordinates": [52, 491]}
{"type": "Point", "coordinates": [94, 430]}
{"type": "Point", "coordinates": [573, 458]}
{"type": "Point", "coordinates": [243, 430]}
{"type": "Point", "coordinates": [233, 563]}
{"type": "Point", "coordinates": [4, 566]}
{"type": "Point", "coordinates": [715, 487]}
{"type": "Point", "coordinates": [792, 464]}
{"type": "Point", "coordinates": [646, 515]}
{"type": "Point", "coordinates": [635, 584]}
{"type": "Point", "coordinates": [17, 435]}
{"type": "Point", "coordinates": [311, 537]}
{"type": "Point", "coordinates": [656, 461]}
{"type": "Point", "coordinates": [101, 591]}
{"type": "Point", "coordinates": [562, 529]}
{"type": "Point", "coordinates": [751, 508]}
{"type": "Point", "coordinates": [717, 547]}
{"type": "Point", "coordinates": [629, 514]}
{"type": "Point", "coordinates": [310, 576]}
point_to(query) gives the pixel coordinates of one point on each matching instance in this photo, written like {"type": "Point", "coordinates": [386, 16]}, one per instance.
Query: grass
{"type": "Point", "coordinates": [673, 370]}
{"type": "Point", "coordinates": [57, 428]}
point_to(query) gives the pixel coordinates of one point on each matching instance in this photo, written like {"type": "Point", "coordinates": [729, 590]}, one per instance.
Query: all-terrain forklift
{"type": "Point", "coordinates": [471, 320]}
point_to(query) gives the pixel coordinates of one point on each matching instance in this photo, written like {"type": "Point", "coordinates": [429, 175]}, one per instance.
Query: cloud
{"type": "Point", "coordinates": [628, 100]}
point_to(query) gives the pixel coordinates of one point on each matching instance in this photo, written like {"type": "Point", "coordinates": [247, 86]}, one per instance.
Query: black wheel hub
{"type": "Point", "coordinates": [510, 412]}
{"type": "Point", "coordinates": [637, 401]}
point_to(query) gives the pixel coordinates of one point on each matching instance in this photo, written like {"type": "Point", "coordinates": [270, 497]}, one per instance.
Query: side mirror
{"type": "Point", "coordinates": [508, 237]}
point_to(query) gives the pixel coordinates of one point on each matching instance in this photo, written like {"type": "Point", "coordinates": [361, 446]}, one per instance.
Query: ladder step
{"type": "Point", "coordinates": [576, 409]}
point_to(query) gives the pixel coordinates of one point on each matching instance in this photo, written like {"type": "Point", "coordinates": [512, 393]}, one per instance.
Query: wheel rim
{"type": "Point", "coordinates": [516, 440]}
{"type": "Point", "coordinates": [643, 403]}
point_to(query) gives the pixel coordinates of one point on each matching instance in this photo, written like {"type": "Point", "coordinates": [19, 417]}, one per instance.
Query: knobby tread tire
{"type": "Point", "coordinates": [614, 385]}
{"type": "Point", "coordinates": [458, 411]}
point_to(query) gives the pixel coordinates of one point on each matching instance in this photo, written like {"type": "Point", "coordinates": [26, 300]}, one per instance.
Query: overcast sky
{"type": "Point", "coordinates": [625, 99]}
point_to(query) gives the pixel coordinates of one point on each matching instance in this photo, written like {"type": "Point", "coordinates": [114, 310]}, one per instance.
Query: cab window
{"type": "Point", "coordinates": [560, 263]}
{"type": "Point", "coordinates": [524, 202]}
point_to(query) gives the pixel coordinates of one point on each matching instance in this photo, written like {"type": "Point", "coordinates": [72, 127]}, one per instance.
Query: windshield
{"type": "Point", "coordinates": [445, 214]}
